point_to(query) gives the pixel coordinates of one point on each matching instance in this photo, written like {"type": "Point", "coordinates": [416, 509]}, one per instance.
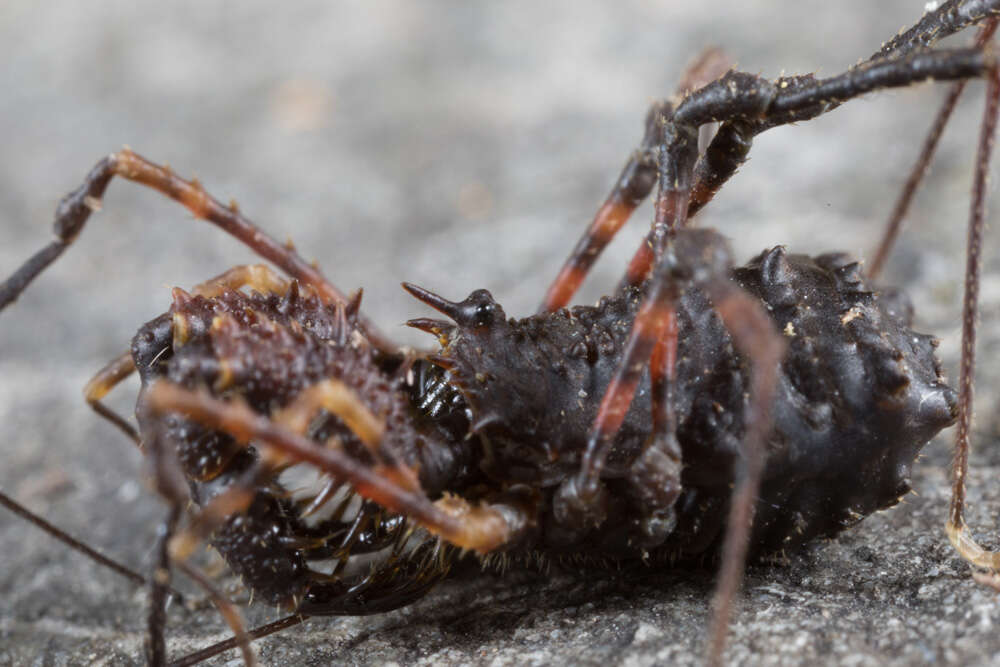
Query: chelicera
{"type": "Point", "coordinates": [789, 390]}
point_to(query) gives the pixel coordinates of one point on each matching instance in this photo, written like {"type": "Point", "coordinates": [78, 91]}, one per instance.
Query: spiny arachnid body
{"type": "Point", "coordinates": [503, 410]}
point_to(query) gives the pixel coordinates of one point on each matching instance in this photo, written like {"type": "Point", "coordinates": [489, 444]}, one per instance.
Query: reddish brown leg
{"type": "Point", "coordinates": [663, 376]}
{"type": "Point", "coordinates": [331, 395]}
{"type": "Point", "coordinates": [958, 532]}
{"type": "Point", "coordinates": [633, 186]}
{"type": "Point", "coordinates": [76, 207]}
{"type": "Point", "coordinates": [919, 170]}
{"type": "Point", "coordinates": [755, 336]}
{"type": "Point", "coordinates": [481, 528]}
{"type": "Point", "coordinates": [723, 157]}
{"type": "Point", "coordinates": [578, 500]}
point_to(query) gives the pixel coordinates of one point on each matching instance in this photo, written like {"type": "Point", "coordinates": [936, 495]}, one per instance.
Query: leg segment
{"type": "Point", "coordinates": [634, 184]}
{"type": "Point", "coordinates": [73, 543]}
{"type": "Point", "coordinates": [76, 207]}
{"type": "Point", "coordinates": [902, 206]}
{"type": "Point", "coordinates": [330, 395]}
{"type": "Point", "coordinates": [227, 609]}
{"type": "Point", "coordinates": [106, 379]}
{"type": "Point", "coordinates": [156, 650]}
{"type": "Point", "coordinates": [754, 334]}
{"type": "Point", "coordinates": [958, 531]}
{"type": "Point", "coordinates": [482, 528]}
{"type": "Point", "coordinates": [898, 63]}
{"type": "Point", "coordinates": [258, 277]}
{"type": "Point", "coordinates": [223, 646]}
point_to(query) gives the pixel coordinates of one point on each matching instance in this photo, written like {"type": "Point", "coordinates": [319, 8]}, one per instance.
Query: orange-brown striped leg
{"type": "Point", "coordinates": [755, 336]}
{"type": "Point", "coordinates": [578, 500]}
{"type": "Point", "coordinates": [74, 210]}
{"type": "Point", "coordinates": [338, 399]}
{"type": "Point", "coordinates": [331, 395]}
{"type": "Point", "coordinates": [633, 186]}
{"type": "Point", "coordinates": [482, 528]}
{"type": "Point", "coordinates": [103, 382]}
{"type": "Point", "coordinates": [663, 375]}
{"type": "Point", "coordinates": [728, 150]}
{"type": "Point", "coordinates": [902, 206]}
{"type": "Point", "coordinates": [958, 532]}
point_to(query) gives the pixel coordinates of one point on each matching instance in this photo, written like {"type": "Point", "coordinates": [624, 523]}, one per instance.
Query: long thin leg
{"type": "Point", "coordinates": [754, 334]}
{"type": "Point", "coordinates": [947, 19]}
{"type": "Point", "coordinates": [633, 186]}
{"type": "Point", "coordinates": [73, 543]}
{"type": "Point", "coordinates": [76, 207]}
{"type": "Point", "coordinates": [654, 315]}
{"type": "Point", "coordinates": [958, 531]}
{"type": "Point", "coordinates": [729, 148]}
{"type": "Point", "coordinates": [231, 643]}
{"type": "Point", "coordinates": [919, 170]}
{"type": "Point", "coordinates": [748, 105]}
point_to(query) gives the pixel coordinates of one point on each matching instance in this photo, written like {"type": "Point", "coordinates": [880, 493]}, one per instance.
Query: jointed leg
{"type": "Point", "coordinates": [331, 395]}
{"type": "Point", "coordinates": [73, 543]}
{"type": "Point", "coordinates": [76, 207]}
{"type": "Point", "coordinates": [729, 148]}
{"type": "Point", "coordinates": [103, 382]}
{"type": "Point", "coordinates": [231, 643]}
{"type": "Point", "coordinates": [902, 206]}
{"type": "Point", "coordinates": [958, 531]}
{"type": "Point", "coordinates": [480, 528]}
{"type": "Point", "coordinates": [747, 105]}
{"type": "Point", "coordinates": [634, 184]}
{"type": "Point", "coordinates": [227, 609]}
{"type": "Point", "coordinates": [755, 336]}
{"type": "Point", "coordinates": [156, 621]}
{"type": "Point", "coordinates": [258, 277]}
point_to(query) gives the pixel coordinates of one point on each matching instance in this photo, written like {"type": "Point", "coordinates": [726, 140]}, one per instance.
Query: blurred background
{"type": "Point", "coordinates": [458, 146]}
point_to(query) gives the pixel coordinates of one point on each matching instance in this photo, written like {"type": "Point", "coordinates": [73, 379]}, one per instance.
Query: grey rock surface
{"type": "Point", "coordinates": [457, 146]}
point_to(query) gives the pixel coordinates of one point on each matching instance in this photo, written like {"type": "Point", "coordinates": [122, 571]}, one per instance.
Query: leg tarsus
{"type": "Point", "coordinates": [103, 382]}
{"type": "Point", "coordinates": [231, 643]}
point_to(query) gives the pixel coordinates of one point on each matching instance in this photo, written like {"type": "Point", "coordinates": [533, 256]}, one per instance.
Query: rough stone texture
{"type": "Point", "coordinates": [456, 146]}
